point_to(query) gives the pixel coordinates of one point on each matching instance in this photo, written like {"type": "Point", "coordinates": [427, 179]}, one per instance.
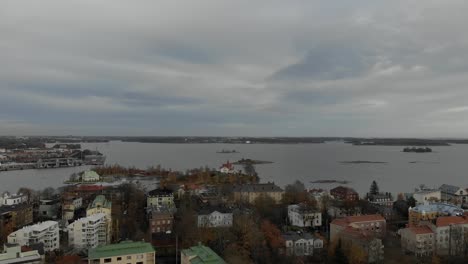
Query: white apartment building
{"type": "Point", "coordinates": [45, 232]}
{"type": "Point", "coordinates": [301, 216]}
{"type": "Point", "coordinates": [13, 199]}
{"type": "Point", "coordinates": [418, 240]}
{"type": "Point", "coordinates": [301, 244]}
{"type": "Point", "coordinates": [426, 195]}
{"type": "Point", "coordinates": [89, 232]}
{"type": "Point", "coordinates": [215, 218]}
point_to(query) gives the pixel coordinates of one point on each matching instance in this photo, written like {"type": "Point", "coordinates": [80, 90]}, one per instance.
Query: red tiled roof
{"type": "Point", "coordinates": [447, 220]}
{"type": "Point", "coordinates": [356, 219]}
{"type": "Point", "coordinates": [420, 230]}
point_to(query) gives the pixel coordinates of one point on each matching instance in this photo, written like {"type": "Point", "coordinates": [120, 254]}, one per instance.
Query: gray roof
{"type": "Point", "coordinates": [294, 236]}
{"type": "Point", "coordinates": [257, 187]}
{"type": "Point", "coordinates": [445, 188]}
{"type": "Point", "coordinates": [442, 208]}
{"type": "Point", "coordinates": [210, 209]}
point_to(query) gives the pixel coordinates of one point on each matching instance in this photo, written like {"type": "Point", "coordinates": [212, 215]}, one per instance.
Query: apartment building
{"type": "Point", "coordinates": [89, 232]}
{"type": "Point", "coordinates": [127, 252]}
{"type": "Point", "coordinates": [302, 216]}
{"type": "Point", "coordinates": [45, 232]}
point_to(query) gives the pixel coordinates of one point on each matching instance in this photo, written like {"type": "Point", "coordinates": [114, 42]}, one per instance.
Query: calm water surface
{"type": "Point", "coordinates": [305, 162]}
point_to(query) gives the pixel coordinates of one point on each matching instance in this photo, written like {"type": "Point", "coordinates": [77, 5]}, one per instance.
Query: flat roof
{"type": "Point", "coordinates": [121, 249]}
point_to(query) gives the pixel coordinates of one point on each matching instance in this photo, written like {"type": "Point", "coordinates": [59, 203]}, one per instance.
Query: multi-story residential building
{"type": "Point", "coordinates": [419, 240]}
{"type": "Point", "coordinates": [200, 255]}
{"type": "Point", "coordinates": [160, 197]}
{"type": "Point", "coordinates": [69, 205]}
{"type": "Point", "coordinates": [101, 205]}
{"type": "Point", "coordinates": [381, 199]}
{"type": "Point", "coordinates": [248, 193]}
{"type": "Point", "coordinates": [372, 246]}
{"type": "Point", "coordinates": [302, 215]}
{"type": "Point", "coordinates": [215, 217]}
{"type": "Point", "coordinates": [429, 212]}
{"type": "Point", "coordinates": [301, 244]}
{"type": "Point", "coordinates": [13, 254]}
{"type": "Point", "coordinates": [425, 195]}
{"type": "Point", "coordinates": [49, 208]}
{"type": "Point", "coordinates": [451, 234]}
{"type": "Point", "coordinates": [371, 224]}
{"type": "Point", "coordinates": [161, 219]}
{"type": "Point", "coordinates": [14, 217]}
{"type": "Point", "coordinates": [453, 193]}
{"type": "Point", "coordinates": [45, 232]}
{"type": "Point", "coordinates": [344, 193]}
{"type": "Point", "coordinates": [14, 199]}
{"type": "Point", "coordinates": [89, 232]}
{"type": "Point", "coordinates": [127, 252]}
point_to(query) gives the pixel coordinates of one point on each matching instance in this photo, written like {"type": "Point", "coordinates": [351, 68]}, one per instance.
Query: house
{"type": "Point", "coordinates": [429, 212]}
{"type": "Point", "coordinates": [160, 197]}
{"type": "Point", "coordinates": [301, 244]}
{"type": "Point", "coordinates": [453, 193]}
{"type": "Point", "coordinates": [380, 199]}
{"type": "Point", "coordinates": [128, 252]}
{"type": "Point", "coordinates": [344, 193]}
{"type": "Point", "coordinates": [69, 205]}
{"type": "Point", "coordinates": [44, 232]}
{"type": "Point", "coordinates": [101, 205]}
{"type": "Point", "coordinates": [248, 193]}
{"type": "Point", "coordinates": [371, 224]}
{"type": "Point", "coordinates": [318, 195]}
{"type": "Point", "coordinates": [200, 255]}
{"type": "Point", "coordinates": [354, 238]}
{"type": "Point", "coordinates": [13, 199]}
{"type": "Point", "coordinates": [13, 253]}
{"type": "Point", "coordinates": [419, 240]}
{"type": "Point", "coordinates": [49, 208]}
{"type": "Point", "coordinates": [161, 219]}
{"type": "Point", "coordinates": [90, 176]}
{"type": "Point", "coordinates": [426, 195]}
{"type": "Point", "coordinates": [303, 216]}
{"type": "Point", "coordinates": [227, 168]}
{"type": "Point", "coordinates": [215, 217]}
{"type": "Point", "coordinates": [89, 232]}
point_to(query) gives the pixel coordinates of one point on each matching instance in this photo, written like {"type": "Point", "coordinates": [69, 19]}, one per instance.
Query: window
{"type": "Point", "coordinates": [119, 258]}
{"type": "Point", "coordinates": [107, 260]}
{"type": "Point", "coordinates": [129, 257]}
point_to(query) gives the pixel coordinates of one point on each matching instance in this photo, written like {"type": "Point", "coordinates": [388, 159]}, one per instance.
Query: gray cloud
{"type": "Point", "coordinates": [211, 67]}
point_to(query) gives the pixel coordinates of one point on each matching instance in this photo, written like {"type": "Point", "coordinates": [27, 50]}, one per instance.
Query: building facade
{"type": "Point", "coordinates": [451, 193]}
{"type": "Point", "coordinates": [418, 240]}
{"type": "Point", "coordinates": [89, 232]}
{"type": "Point", "coordinates": [301, 244]}
{"type": "Point", "coordinates": [127, 252]}
{"type": "Point", "coordinates": [90, 176]}
{"type": "Point", "coordinates": [302, 216]}
{"type": "Point", "coordinates": [248, 193]}
{"type": "Point", "coordinates": [45, 232]}
{"type": "Point", "coordinates": [160, 198]}
{"type": "Point", "coordinates": [215, 217]}
{"type": "Point", "coordinates": [426, 195]}
{"type": "Point", "coordinates": [13, 254]}
{"type": "Point", "coordinates": [13, 199]}
{"type": "Point", "coordinates": [161, 220]}
{"type": "Point", "coordinates": [101, 205]}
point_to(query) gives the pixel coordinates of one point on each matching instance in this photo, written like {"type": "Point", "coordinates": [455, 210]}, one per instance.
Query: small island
{"type": "Point", "coordinates": [225, 151]}
{"type": "Point", "coordinates": [251, 162]}
{"type": "Point", "coordinates": [417, 150]}
{"type": "Point", "coordinates": [362, 162]}
{"type": "Point", "coordinates": [330, 181]}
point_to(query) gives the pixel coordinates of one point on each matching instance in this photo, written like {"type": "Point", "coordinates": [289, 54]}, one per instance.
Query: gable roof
{"type": "Point", "coordinates": [451, 189]}
{"type": "Point", "coordinates": [356, 219]}
{"type": "Point", "coordinates": [202, 255]}
{"type": "Point", "coordinates": [420, 230]}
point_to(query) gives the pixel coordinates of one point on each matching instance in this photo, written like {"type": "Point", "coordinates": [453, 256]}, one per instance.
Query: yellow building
{"type": "Point", "coordinates": [429, 212]}
{"type": "Point", "coordinates": [101, 205]}
{"type": "Point", "coordinates": [127, 252]}
{"type": "Point", "coordinates": [250, 192]}
{"type": "Point", "coordinates": [160, 198]}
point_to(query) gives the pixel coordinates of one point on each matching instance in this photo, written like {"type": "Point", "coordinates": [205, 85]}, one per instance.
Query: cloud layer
{"type": "Point", "coordinates": [234, 68]}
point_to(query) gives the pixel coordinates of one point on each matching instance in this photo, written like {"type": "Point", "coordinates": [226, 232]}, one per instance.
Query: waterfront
{"type": "Point", "coordinates": [305, 162]}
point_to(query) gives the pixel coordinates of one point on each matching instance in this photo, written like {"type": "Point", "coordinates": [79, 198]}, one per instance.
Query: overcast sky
{"type": "Point", "coordinates": [234, 68]}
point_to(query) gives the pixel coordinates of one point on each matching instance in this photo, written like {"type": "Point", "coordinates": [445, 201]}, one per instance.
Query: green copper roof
{"type": "Point", "coordinates": [100, 199]}
{"type": "Point", "coordinates": [203, 255]}
{"type": "Point", "coordinates": [121, 249]}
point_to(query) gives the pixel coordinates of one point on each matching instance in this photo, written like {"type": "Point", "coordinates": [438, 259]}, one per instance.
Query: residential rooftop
{"type": "Point", "coordinates": [449, 220]}
{"type": "Point", "coordinates": [100, 199]}
{"type": "Point", "coordinates": [93, 218]}
{"type": "Point", "coordinates": [257, 187]}
{"type": "Point", "coordinates": [120, 249]}
{"type": "Point", "coordinates": [160, 192]}
{"type": "Point", "coordinates": [420, 230]}
{"type": "Point", "coordinates": [41, 226]}
{"type": "Point", "coordinates": [294, 236]}
{"type": "Point", "coordinates": [202, 255]}
{"type": "Point", "coordinates": [449, 209]}
{"type": "Point", "coordinates": [358, 218]}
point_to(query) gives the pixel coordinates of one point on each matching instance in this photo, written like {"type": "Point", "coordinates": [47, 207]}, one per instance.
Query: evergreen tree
{"type": "Point", "coordinates": [374, 188]}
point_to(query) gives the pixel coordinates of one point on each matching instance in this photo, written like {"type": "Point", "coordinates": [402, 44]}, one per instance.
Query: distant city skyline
{"type": "Point", "coordinates": [234, 68]}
